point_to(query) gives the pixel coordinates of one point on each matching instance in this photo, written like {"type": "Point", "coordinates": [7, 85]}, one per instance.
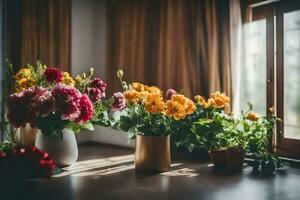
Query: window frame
{"type": "Point", "coordinates": [267, 12]}
{"type": "Point", "coordinates": [285, 146]}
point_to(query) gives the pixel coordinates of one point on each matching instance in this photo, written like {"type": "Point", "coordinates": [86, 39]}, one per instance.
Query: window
{"type": "Point", "coordinates": [273, 39]}
{"type": "Point", "coordinates": [291, 38]}
{"type": "Point", "coordinates": [254, 67]}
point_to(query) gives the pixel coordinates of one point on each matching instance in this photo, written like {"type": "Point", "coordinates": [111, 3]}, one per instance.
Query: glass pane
{"type": "Point", "coordinates": [253, 78]}
{"type": "Point", "coordinates": [292, 74]}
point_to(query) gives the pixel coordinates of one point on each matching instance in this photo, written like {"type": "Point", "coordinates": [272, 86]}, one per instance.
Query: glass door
{"type": "Point", "coordinates": [288, 78]}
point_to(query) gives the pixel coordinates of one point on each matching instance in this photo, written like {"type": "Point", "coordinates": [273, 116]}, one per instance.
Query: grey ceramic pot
{"type": "Point", "coordinates": [63, 151]}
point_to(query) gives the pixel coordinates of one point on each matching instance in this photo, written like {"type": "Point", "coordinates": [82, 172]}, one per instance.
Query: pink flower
{"type": "Point", "coordinates": [170, 93]}
{"type": "Point", "coordinates": [119, 101]}
{"type": "Point", "coordinates": [43, 102]}
{"type": "Point", "coordinates": [53, 75]}
{"type": "Point", "coordinates": [86, 109]}
{"type": "Point", "coordinates": [24, 107]}
{"type": "Point", "coordinates": [67, 101]}
{"type": "Point", "coordinates": [95, 94]}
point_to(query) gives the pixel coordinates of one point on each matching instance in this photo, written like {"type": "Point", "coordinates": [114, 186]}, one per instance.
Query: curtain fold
{"type": "Point", "coordinates": [180, 44]}
{"type": "Point", "coordinates": [46, 26]}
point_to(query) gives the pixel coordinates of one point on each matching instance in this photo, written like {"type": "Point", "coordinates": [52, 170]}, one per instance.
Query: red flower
{"type": "Point", "coordinates": [86, 109]}
{"type": "Point", "coordinates": [99, 84]}
{"type": "Point", "coordinates": [53, 75]}
{"type": "Point", "coordinates": [2, 154]}
{"type": "Point", "coordinates": [25, 163]}
{"type": "Point", "coordinates": [95, 94]}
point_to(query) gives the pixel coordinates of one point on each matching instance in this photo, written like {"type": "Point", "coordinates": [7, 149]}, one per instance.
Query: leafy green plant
{"type": "Point", "coordinates": [181, 134]}
{"type": "Point", "coordinates": [219, 132]}
{"type": "Point", "coordinates": [259, 133]}
{"type": "Point", "coordinates": [250, 132]}
{"type": "Point", "coordinates": [135, 120]}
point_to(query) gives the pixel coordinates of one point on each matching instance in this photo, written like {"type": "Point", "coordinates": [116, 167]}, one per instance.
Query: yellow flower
{"type": "Point", "coordinates": [132, 96]}
{"type": "Point", "coordinates": [23, 73]}
{"type": "Point", "coordinates": [154, 103]}
{"type": "Point", "coordinates": [24, 79]}
{"type": "Point", "coordinates": [67, 79]}
{"type": "Point", "coordinates": [219, 100]}
{"type": "Point", "coordinates": [78, 79]}
{"type": "Point", "coordinates": [139, 87]}
{"type": "Point", "coordinates": [179, 106]}
{"type": "Point", "coordinates": [253, 116]}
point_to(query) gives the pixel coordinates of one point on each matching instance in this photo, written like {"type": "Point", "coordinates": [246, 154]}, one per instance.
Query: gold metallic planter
{"type": "Point", "coordinates": [152, 154]}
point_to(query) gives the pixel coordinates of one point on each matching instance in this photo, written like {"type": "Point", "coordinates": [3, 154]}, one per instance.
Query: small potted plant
{"type": "Point", "coordinates": [224, 141]}
{"type": "Point", "coordinates": [147, 118]}
{"type": "Point", "coordinates": [218, 132]}
{"type": "Point", "coordinates": [259, 131]}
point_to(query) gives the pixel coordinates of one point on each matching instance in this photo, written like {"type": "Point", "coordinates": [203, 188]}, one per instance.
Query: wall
{"type": "Point", "coordinates": [88, 36]}
{"type": "Point", "coordinates": [88, 50]}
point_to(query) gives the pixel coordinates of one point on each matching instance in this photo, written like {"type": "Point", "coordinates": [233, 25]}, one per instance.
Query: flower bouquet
{"type": "Point", "coordinates": [147, 117]}
{"type": "Point", "coordinates": [57, 105]}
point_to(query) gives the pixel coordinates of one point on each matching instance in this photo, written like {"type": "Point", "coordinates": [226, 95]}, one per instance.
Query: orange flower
{"type": "Point", "coordinates": [180, 98]}
{"type": "Point", "coordinates": [253, 116]}
{"type": "Point", "coordinates": [152, 89]}
{"type": "Point", "coordinates": [201, 101]}
{"type": "Point", "coordinates": [175, 109]}
{"type": "Point", "coordinates": [190, 109]}
{"type": "Point", "coordinates": [131, 96]}
{"type": "Point", "coordinates": [139, 87]}
{"type": "Point", "coordinates": [219, 100]}
{"type": "Point", "coordinates": [179, 107]}
{"type": "Point", "coordinates": [154, 103]}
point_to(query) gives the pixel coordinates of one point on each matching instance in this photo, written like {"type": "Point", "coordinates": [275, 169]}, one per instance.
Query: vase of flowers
{"type": "Point", "coordinates": [59, 106]}
{"type": "Point", "coordinates": [147, 118]}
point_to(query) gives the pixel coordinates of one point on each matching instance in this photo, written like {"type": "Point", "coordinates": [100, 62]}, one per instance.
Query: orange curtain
{"type": "Point", "coordinates": [180, 44]}
{"type": "Point", "coordinates": [46, 32]}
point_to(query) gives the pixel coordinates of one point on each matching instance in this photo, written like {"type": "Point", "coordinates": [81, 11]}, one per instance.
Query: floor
{"type": "Point", "coordinates": [107, 172]}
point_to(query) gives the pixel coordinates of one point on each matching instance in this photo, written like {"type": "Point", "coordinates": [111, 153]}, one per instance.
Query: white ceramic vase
{"type": "Point", "coordinates": [63, 151]}
{"type": "Point", "coordinates": [26, 136]}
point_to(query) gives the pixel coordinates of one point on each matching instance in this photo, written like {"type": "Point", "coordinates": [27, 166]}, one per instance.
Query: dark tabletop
{"type": "Point", "coordinates": [107, 172]}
